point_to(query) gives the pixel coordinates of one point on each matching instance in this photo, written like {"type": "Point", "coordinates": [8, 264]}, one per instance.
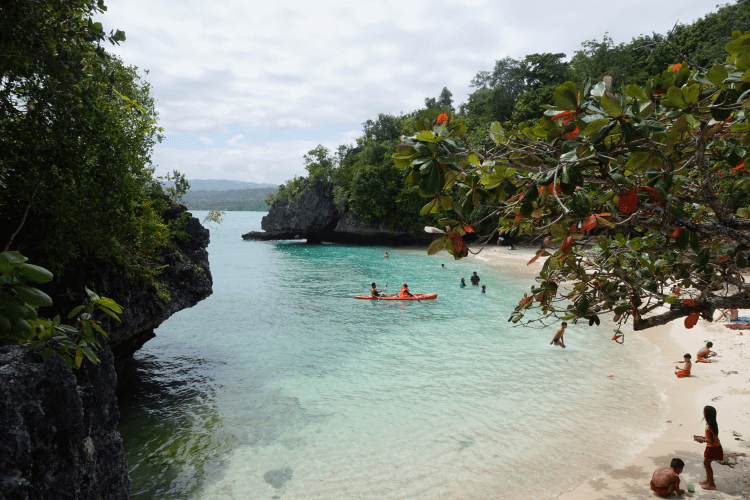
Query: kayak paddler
{"type": "Point", "coordinates": [405, 291]}
{"type": "Point", "coordinates": [373, 292]}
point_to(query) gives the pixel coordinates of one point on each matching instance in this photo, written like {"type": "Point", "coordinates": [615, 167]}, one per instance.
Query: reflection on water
{"type": "Point", "coordinates": [280, 385]}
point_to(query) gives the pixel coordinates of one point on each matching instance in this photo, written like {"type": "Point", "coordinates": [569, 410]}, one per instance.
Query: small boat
{"type": "Point", "coordinates": [420, 296]}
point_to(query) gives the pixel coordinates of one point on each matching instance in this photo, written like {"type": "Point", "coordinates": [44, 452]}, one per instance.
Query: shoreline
{"type": "Point", "coordinates": [723, 384]}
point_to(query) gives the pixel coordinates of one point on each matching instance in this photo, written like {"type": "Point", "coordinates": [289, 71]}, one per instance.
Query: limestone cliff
{"type": "Point", "coordinates": [58, 437]}
{"type": "Point", "coordinates": [313, 216]}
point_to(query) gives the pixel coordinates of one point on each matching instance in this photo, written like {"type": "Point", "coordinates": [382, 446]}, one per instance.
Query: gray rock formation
{"type": "Point", "coordinates": [58, 437]}
{"type": "Point", "coordinates": [314, 216]}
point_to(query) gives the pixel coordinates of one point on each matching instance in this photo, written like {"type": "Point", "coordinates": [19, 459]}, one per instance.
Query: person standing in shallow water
{"type": "Point", "coordinates": [475, 279]}
{"type": "Point", "coordinates": [714, 451]}
{"type": "Point", "coordinates": [558, 340]}
{"type": "Point", "coordinates": [463, 283]}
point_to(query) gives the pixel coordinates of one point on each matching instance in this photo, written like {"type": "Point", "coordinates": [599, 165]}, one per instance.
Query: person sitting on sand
{"type": "Point", "coordinates": [484, 289]}
{"type": "Point", "coordinates": [714, 450]}
{"type": "Point", "coordinates": [558, 340]}
{"type": "Point", "coordinates": [463, 283]}
{"type": "Point", "coordinates": [374, 293]}
{"type": "Point", "coordinates": [684, 372]}
{"type": "Point", "coordinates": [729, 315]}
{"type": "Point", "coordinates": [475, 279]}
{"type": "Point", "coordinates": [385, 256]}
{"type": "Point", "coordinates": [705, 353]}
{"type": "Point", "coordinates": [405, 291]}
{"type": "Point", "coordinates": [667, 481]}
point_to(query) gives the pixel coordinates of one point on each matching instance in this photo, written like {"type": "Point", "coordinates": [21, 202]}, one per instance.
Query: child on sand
{"type": "Point", "coordinates": [685, 371]}
{"type": "Point", "coordinates": [705, 353]}
{"type": "Point", "coordinates": [714, 450]}
{"type": "Point", "coordinates": [558, 340]}
{"type": "Point", "coordinates": [666, 481]}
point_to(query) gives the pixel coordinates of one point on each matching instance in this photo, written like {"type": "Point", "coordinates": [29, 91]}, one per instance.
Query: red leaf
{"type": "Point", "coordinates": [605, 214]}
{"type": "Point", "coordinates": [563, 115]}
{"type": "Point", "coordinates": [538, 254]}
{"type": "Point", "coordinates": [518, 217]}
{"type": "Point", "coordinates": [571, 135]}
{"type": "Point", "coordinates": [652, 192]}
{"type": "Point", "coordinates": [628, 202]}
{"type": "Point", "coordinates": [467, 228]}
{"type": "Point", "coordinates": [692, 319]}
{"type": "Point", "coordinates": [676, 232]}
{"type": "Point", "coordinates": [617, 336]}
{"type": "Point", "coordinates": [739, 168]}
{"type": "Point", "coordinates": [675, 67]}
{"type": "Point", "coordinates": [524, 300]}
{"type": "Point", "coordinates": [635, 312]}
{"type": "Point", "coordinates": [589, 224]}
{"type": "Point", "coordinates": [567, 244]}
{"type": "Point", "coordinates": [442, 117]}
{"type": "Point", "coordinates": [723, 259]}
{"type": "Point", "coordinates": [574, 228]}
{"type": "Point", "coordinates": [458, 243]}
{"type": "Point", "coordinates": [557, 188]}
{"type": "Point", "coordinates": [690, 303]}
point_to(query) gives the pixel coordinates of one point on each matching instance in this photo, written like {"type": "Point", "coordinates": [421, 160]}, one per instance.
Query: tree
{"type": "Point", "coordinates": [643, 188]}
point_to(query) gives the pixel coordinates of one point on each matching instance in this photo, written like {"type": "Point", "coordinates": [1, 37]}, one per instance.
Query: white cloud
{"type": "Point", "coordinates": [282, 64]}
{"type": "Point", "coordinates": [205, 140]}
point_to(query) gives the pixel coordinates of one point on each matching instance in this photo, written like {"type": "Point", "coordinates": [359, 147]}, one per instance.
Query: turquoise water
{"type": "Point", "coordinates": [280, 385]}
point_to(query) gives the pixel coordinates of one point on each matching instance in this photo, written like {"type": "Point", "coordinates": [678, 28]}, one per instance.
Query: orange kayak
{"type": "Point", "coordinates": [420, 296]}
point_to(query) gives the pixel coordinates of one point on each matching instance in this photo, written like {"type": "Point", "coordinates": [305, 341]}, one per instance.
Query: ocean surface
{"type": "Point", "coordinates": [281, 386]}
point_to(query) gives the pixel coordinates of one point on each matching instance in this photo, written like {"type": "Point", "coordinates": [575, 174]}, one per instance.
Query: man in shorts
{"type": "Point", "coordinates": [558, 340]}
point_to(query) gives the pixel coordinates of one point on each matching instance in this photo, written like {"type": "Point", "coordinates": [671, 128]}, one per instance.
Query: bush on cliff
{"type": "Point", "coordinates": [76, 134]}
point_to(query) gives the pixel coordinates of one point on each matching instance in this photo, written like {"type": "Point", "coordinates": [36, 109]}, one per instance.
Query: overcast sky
{"type": "Point", "coordinates": [245, 88]}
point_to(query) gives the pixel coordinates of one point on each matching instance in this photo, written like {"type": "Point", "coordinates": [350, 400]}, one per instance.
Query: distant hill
{"type": "Point", "coordinates": [251, 200]}
{"type": "Point", "coordinates": [224, 185]}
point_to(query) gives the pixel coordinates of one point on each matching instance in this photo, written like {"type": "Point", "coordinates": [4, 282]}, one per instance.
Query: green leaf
{"type": "Point", "coordinates": [611, 105]}
{"type": "Point", "coordinates": [674, 96]}
{"type": "Point", "coordinates": [111, 304]}
{"type": "Point", "coordinates": [432, 206]}
{"type": "Point", "coordinates": [634, 90]}
{"type": "Point", "coordinates": [595, 126]}
{"type": "Point", "coordinates": [645, 110]}
{"type": "Point", "coordinates": [33, 296]}
{"type": "Point", "coordinates": [496, 132]}
{"type": "Point", "coordinates": [36, 273]}
{"type": "Point", "coordinates": [739, 46]}
{"type": "Point", "coordinates": [75, 311]}
{"type": "Point", "coordinates": [426, 136]}
{"type": "Point", "coordinates": [682, 239]}
{"type": "Point", "coordinates": [474, 160]}
{"type": "Point", "coordinates": [566, 96]}
{"type": "Point", "coordinates": [702, 258]}
{"type": "Point", "coordinates": [692, 93]}
{"type": "Point", "coordinates": [436, 246]}
{"type": "Point", "coordinates": [694, 243]}
{"type": "Point", "coordinates": [89, 355]}
{"type": "Point", "coordinates": [110, 313]}
{"type": "Point", "coordinates": [101, 330]}
{"type": "Point", "coordinates": [641, 161]}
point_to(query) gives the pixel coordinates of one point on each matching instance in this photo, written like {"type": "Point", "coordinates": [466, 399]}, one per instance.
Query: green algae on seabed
{"type": "Point", "coordinates": [179, 454]}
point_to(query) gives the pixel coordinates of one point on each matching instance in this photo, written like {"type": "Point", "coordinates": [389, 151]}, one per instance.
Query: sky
{"type": "Point", "coordinates": [245, 88]}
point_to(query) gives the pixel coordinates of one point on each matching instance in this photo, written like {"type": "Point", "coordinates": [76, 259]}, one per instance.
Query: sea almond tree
{"type": "Point", "coordinates": [642, 190]}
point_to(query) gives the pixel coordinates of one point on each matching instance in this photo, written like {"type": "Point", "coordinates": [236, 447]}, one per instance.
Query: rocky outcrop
{"type": "Point", "coordinates": [59, 438]}
{"type": "Point", "coordinates": [185, 280]}
{"type": "Point", "coordinates": [313, 216]}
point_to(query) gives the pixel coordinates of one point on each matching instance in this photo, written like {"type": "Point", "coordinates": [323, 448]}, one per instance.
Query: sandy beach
{"type": "Point", "coordinates": [723, 384]}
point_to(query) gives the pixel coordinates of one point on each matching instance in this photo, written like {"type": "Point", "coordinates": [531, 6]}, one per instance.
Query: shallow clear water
{"type": "Point", "coordinates": [280, 385]}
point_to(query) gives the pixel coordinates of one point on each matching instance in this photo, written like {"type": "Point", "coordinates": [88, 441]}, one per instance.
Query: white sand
{"type": "Point", "coordinates": [723, 384]}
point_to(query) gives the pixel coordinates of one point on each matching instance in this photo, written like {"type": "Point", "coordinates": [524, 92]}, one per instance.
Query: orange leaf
{"type": "Point", "coordinates": [723, 259]}
{"type": "Point", "coordinates": [571, 135]}
{"type": "Point", "coordinates": [676, 232]}
{"type": "Point", "coordinates": [538, 254]}
{"type": "Point", "coordinates": [675, 67]}
{"type": "Point", "coordinates": [574, 228]}
{"type": "Point", "coordinates": [628, 202]}
{"type": "Point", "coordinates": [518, 217]}
{"type": "Point", "coordinates": [689, 302]}
{"type": "Point", "coordinates": [563, 115]}
{"type": "Point", "coordinates": [652, 192]}
{"type": "Point", "coordinates": [589, 224]}
{"type": "Point", "coordinates": [605, 214]}
{"type": "Point", "coordinates": [524, 300]}
{"type": "Point", "coordinates": [567, 244]}
{"type": "Point", "coordinates": [692, 319]}
{"type": "Point", "coordinates": [557, 188]}
{"type": "Point", "coordinates": [739, 168]}
{"type": "Point", "coordinates": [615, 338]}
{"type": "Point", "coordinates": [442, 117]}
{"type": "Point", "coordinates": [467, 228]}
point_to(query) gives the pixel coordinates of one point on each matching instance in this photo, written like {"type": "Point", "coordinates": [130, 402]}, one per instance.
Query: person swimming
{"type": "Point", "coordinates": [463, 283]}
